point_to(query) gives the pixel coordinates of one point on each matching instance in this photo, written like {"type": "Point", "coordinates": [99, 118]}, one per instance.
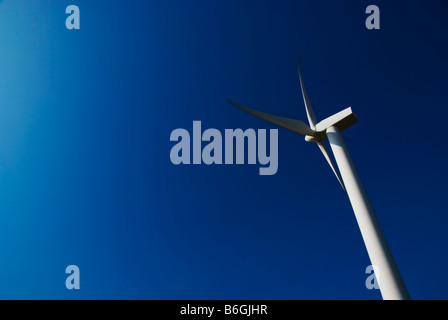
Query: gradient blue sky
{"type": "Point", "coordinates": [85, 172]}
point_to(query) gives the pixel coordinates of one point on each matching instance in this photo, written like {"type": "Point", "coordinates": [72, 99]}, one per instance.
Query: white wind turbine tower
{"type": "Point", "coordinates": [389, 279]}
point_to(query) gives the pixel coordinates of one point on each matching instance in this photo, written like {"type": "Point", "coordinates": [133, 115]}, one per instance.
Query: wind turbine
{"type": "Point", "coordinates": [389, 279]}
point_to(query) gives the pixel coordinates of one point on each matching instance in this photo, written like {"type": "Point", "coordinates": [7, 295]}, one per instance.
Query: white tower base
{"type": "Point", "coordinates": [389, 279]}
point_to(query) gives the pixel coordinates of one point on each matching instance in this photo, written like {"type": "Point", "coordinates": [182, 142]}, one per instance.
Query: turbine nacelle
{"type": "Point", "coordinates": [341, 120]}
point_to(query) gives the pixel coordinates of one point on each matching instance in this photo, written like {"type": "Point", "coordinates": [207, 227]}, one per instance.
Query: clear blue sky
{"type": "Point", "coordinates": [85, 172]}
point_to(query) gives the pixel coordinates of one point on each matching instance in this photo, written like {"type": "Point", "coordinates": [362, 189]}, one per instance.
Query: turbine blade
{"type": "Point", "coordinates": [309, 110]}
{"type": "Point", "coordinates": [330, 162]}
{"type": "Point", "coordinates": [290, 124]}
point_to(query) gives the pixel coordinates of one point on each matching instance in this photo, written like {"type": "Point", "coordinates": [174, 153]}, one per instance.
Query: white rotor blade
{"type": "Point", "coordinates": [330, 162]}
{"type": "Point", "coordinates": [290, 124]}
{"type": "Point", "coordinates": [309, 110]}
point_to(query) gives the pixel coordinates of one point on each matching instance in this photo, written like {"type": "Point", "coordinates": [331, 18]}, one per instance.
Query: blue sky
{"type": "Point", "coordinates": [85, 172]}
